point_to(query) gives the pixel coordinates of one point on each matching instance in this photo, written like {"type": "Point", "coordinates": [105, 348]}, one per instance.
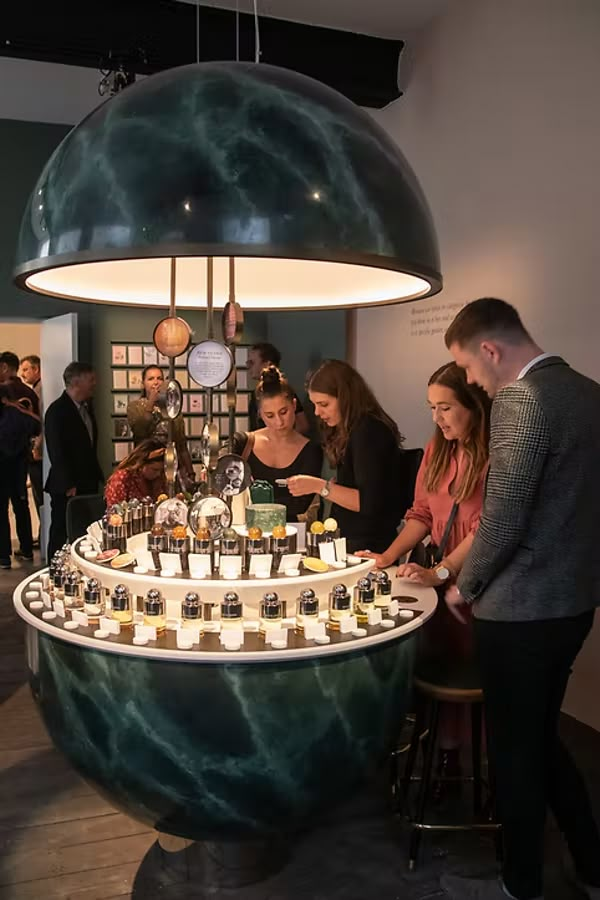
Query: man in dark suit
{"type": "Point", "coordinates": [71, 439]}
{"type": "Point", "coordinates": [532, 581]}
{"type": "Point", "coordinates": [19, 423]}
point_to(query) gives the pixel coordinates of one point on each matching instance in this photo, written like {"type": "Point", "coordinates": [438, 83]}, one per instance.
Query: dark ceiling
{"type": "Point", "coordinates": [151, 35]}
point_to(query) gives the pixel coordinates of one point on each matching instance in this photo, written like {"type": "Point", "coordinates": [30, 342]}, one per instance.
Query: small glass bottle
{"type": "Point", "coordinates": [191, 611]}
{"type": "Point", "coordinates": [339, 605]}
{"type": "Point", "coordinates": [307, 609]}
{"type": "Point", "coordinates": [270, 612]}
{"type": "Point", "coordinates": [364, 599]}
{"type": "Point", "coordinates": [72, 589]}
{"type": "Point", "coordinates": [148, 507]}
{"type": "Point", "coordinates": [137, 514]}
{"type": "Point", "coordinates": [93, 600]}
{"type": "Point", "coordinates": [55, 563]}
{"type": "Point", "coordinates": [231, 611]}
{"type": "Point", "coordinates": [154, 610]}
{"type": "Point", "coordinates": [383, 590]}
{"type": "Point", "coordinates": [120, 602]}
{"type": "Point", "coordinates": [60, 575]}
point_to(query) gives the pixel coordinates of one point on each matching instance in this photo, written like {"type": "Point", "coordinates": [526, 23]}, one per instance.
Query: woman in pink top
{"type": "Point", "coordinates": [453, 470]}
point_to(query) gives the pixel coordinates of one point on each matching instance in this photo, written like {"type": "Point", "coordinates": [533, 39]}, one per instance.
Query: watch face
{"type": "Point", "coordinates": [210, 363]}
{"type": "Point", "coordinates": [442, 573]}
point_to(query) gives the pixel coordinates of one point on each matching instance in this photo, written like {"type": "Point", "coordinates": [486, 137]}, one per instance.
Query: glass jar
{"type": "Point", "coordinates": [191, 611]}
{"type": "Point", "coordinates": [93, 600]}
{"type": "Point", "coordinates": [307, 609]}
{"type": "Point", "coordinates": [270, 612]}
{"type": "Point", "coordinates": [154, 610]}
{"type": "Point", "coordinates": [231, 611]}
{"type": "Point", "coordinates": [339, 605]}
{"type": "Point", "coordinates": [364, 599]}
{"type": "Point", "coordinates": [120, 602]}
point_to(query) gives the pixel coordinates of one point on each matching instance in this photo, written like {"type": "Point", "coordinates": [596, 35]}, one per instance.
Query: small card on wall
{"type": "Point", "coordinates": [150, 355]}
{"type": "Point", "coordinates": [230, 566]}
{"type": "Point", "coordinates": [134, 355]}
{"type": "Point", "coordinates": [119, 355]}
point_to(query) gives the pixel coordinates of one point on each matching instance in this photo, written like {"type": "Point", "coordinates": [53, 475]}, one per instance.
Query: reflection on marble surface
{"type": "Point", "coordinates": [223, 751]}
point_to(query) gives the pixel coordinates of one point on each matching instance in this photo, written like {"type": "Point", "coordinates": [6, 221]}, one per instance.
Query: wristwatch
{"type": "Point", "coordinates": [443, 572]}
{"type": "Point", "coordinates": [325, 490]}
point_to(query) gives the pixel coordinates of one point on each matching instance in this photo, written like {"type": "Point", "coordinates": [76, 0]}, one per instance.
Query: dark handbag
{"type": "Point", "coordinates": [430, 555]}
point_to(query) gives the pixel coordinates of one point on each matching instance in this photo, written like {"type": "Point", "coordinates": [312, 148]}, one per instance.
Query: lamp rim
{"type": "Point", "coordinates": [202, 251]}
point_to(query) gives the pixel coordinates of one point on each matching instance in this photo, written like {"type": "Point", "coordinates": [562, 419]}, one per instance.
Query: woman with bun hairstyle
{"type": "Point", "coordinates": [362, 442]}
{"type": "Point", "coordinates": [277, 452]}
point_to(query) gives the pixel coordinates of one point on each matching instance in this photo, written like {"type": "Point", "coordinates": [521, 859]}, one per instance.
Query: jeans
{"type": "Point", "coordinates": [13, 488]}
{"type": "Point", "coordinates": [525, 667]}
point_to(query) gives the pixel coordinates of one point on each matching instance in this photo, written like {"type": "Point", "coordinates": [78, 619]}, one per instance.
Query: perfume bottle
{"type": "Point", "coordinates": [72, 589]}
{"type": "Point", "coordinates": [157, 542]}
{"type": "Point", "coordinates": [270, 612]}
{"type": "Point", "coordinates": [120, 602]}
{"type": "Point", "coordinates": [55, 563]}
{"type": "Point", "coordinates": [136, 513]}
{"type": "Point", "coordinates": [60, 576]}
{"type": "Point", "coordinates": [231, 611]}
{"type": "Point", "coordinates": [307, 609]}
{"type": "Point", "coordinates": [364, 599]}
{"type": "Point", "coordinates": [93, 600]}
{"type": "Point", "coordinates": [191, 611]}
{"type": "Point", "coordinates": [148, 507]}
{"type": "Point", "coordinates": [229, 544]}
{"type": "Point", "coordinates": [339, 605]}
{"type": "Point", "coordinates": [383, 590]}
{"type": "Point", "coordinates": [154, 610]}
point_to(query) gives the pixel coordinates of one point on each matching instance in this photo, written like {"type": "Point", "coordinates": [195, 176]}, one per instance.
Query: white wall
{"type": "Point", "coordinates": [22, 338]}
{"type": "Point", "coordinates": [501, 122]}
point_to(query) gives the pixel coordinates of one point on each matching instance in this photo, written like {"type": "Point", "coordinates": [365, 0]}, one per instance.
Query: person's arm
{"type": "Point", "coordinates": [453, 562]}
{"type": "Point", "coordinates": [519, 446]}
{"type": "Point", "coordinates": [139, 416]}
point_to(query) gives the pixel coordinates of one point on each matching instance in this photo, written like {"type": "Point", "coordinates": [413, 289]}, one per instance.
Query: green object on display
{"type": "Point", "coordinates": [265, 515]}
{"type": "Point", "coordinates": [262, 492]}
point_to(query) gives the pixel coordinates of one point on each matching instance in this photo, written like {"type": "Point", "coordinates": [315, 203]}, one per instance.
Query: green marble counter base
{"type": "Point", "coordinates": [222, 752]}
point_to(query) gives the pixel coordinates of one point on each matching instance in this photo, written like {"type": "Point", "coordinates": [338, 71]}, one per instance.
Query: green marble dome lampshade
{"type": "Point", "coordinates": [311, 197]}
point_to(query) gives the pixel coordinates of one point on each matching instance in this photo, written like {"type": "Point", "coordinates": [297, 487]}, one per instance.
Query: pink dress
{"type": "Point", "coordinates": [444, 633]}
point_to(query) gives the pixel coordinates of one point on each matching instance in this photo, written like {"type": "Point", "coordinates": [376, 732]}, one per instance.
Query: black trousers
{"type": "Point", "coordinates": [525, 667]}
{"type": "Point", "coordinates": [13, 488]}
{"type": "Point", "coordinates": [58, 523]}
{"type": "Point", "coordinates": [36, 479]}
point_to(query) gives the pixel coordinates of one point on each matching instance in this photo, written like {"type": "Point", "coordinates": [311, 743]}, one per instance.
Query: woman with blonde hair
{"type": "Point", "coordinates": [139, 475]}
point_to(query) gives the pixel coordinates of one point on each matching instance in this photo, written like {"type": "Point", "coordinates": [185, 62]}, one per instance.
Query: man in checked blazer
{"type": "Point", "coordinates": [533, 581]}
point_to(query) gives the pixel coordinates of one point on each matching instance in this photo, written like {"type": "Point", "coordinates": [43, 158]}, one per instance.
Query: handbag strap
{"type": "Point", "coordinates": [248, 446]}
{"type": "Point", "coordinates": [439, 553]}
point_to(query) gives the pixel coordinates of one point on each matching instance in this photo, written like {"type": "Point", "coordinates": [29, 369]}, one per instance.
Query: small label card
{"type": "Point", "coordinates": [95, 532]}
{"type": "Point", "coordinates": [290, 561]}
{"type": "Point", "coordinates": [393, 608]}
{"type": "Point", "coordinates": [170, 561]}
{"type": "Point", "coordinates": [341, 552]}
{"type": "Point", "coordinates": [144, 558]}
{"type": "Point", "coordinates": [232, 636]}
{"type": "Point", "coordinates": [230, 567]}
{"type": "Point", "coordinates": [110, 625]}
{"type": "Point", "coordinates": [348, 624]}
{"type": "Point", "coordinates": [374, 617]}
{"type": "Point", "coordinates": [260, 564]}
{"type": "Point", "coordinates": [314, 630]}
{"type": "Point", "coordinates": [193, 632]}
{"type": "Point", "coordinates": [301, 539]}
{"type": "Point", "coordinates": [327, 551]}
{"type": "Point", "coordinates": [46, 599]}
{"type": "Point", "coordinates": [200, 563]}
{"type": "Point", "coordinates": [145, 631]}
{"type": "Point", "coordinates": [276, 634]}
{"type": "Point", "coordinates": [59, 608]}
{"type": "Point", "coordinates": [251, 625]}
{"type": "Point", "coordinates": [80, 617]}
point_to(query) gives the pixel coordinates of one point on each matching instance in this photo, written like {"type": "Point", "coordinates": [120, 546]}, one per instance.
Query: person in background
{"type": "Point", "coordinates": [532, 582]}
{"type": "Point", "coordinates": [261, 356]}
{"type": "Point", "coordinates": [139, 475]}
{"type": "Point", "coordinates": [277, 451]}
{"type": "Point", "coordinates": [146, 420]}
{"type": "Point", "coordinates": [453, 470]}
{"type": "Point", "coordinates": [19, 423]}
{"type": "Point", "coordinates": [363, 442]}
{"type": "Point", "coordinates": [31, 374]}
{"type": "Point", "coordinates": [71, 440]}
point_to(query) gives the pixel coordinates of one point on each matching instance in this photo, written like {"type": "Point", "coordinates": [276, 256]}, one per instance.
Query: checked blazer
{"type": "Point", "coordinates": [536, 553]}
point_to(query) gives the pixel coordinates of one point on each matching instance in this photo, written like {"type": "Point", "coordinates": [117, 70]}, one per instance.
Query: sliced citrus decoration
{"type": "Point", "coordinates": [315, 565]}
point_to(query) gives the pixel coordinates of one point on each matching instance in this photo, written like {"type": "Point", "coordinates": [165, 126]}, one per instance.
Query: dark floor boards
{"type": "Point", "coordinates": [59, 840]}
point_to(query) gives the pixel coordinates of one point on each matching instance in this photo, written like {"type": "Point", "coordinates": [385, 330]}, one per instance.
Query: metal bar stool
{"type": "Point", "coordinates": [437, 683]}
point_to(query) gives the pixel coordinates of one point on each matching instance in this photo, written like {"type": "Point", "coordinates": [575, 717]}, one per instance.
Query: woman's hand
{"type": "Point", "coordinates": [378, 558]}
{"type": "Point", "coordinates": [454, 601]}
{"type": "Point", "coordinates": [418, 574]}
{"type": "Point", "coordinates": [299, 485]}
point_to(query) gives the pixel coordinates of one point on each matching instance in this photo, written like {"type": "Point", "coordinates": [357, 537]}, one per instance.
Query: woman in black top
{"type": "Point", "coordinates": [278, 451]}
{"type": "Point", "coordinates": [363, 443]}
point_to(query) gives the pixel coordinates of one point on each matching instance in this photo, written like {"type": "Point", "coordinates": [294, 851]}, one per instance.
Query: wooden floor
{"type": "Point", "coordinates": [58, 838]}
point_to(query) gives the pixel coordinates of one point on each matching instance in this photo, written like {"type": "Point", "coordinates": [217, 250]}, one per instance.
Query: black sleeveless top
{"type": "Point", "coordinates": [308, 462]}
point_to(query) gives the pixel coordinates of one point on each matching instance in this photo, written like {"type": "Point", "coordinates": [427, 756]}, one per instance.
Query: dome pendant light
{"type": "Point", "coordinates": [309, 196]}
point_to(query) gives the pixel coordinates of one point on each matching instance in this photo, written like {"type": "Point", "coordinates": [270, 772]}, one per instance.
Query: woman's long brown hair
{"type": "Point", "coordinates": [476, 442]}
{"type": "Point", "coordinates": [146, 451]}
{"type": "Point", "coordinates": [355, 399]}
